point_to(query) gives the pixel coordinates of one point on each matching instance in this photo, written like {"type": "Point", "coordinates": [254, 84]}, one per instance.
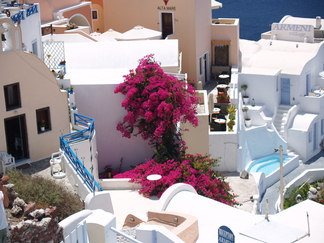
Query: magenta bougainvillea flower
{"type": "Point", "coordinates": [195, 170]}
{"type": "Point", "coordinates": [155, 103]}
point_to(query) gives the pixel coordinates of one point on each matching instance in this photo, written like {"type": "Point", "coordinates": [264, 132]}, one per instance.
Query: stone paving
{"type": "Point", "coordinates": [42, 168]}
{"type": "Point", "coordinates": [244, 188]}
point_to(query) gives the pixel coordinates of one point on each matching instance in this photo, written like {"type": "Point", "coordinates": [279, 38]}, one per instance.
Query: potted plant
{"type": "Point", "coordinates": [61, 75]}
{"type": "Point", "coordinates": [231, 116]}
{"type": "Point", "coordinates": [42, 126]}
{"type": "Point", "coordinates": [248, 121]}
{"type": "Point", "coordinates": [71, 26]}
{"type": "Point", "coordinates": [230, 125]}
{"type": "Point", "coordinates": [222, 97]}
{"type": "Point", "coordinates": [245, 97]}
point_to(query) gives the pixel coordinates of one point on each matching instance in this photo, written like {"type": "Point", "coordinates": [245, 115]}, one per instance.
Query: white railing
{"type": "Point", "coordinates": [78, 235]}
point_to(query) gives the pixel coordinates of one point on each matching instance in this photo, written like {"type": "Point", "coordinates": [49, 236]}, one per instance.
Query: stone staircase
{"type": "Point", "coordinates": [281, 118]}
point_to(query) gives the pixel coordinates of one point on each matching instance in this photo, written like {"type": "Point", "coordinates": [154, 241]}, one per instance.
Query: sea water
{"type": "Point", "coordinates": [256, 16]}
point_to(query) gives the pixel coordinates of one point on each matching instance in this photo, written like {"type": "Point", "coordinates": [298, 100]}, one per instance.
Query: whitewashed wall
{"type": "Point", "coordinates": [261, 88]}
{"type": "Point", "coordinates": [259, 142]}
{"type": "Point", "coordinates": [224, 145]}
{"type": "Point", "coordinates": [31, 31]}
{"type": "Point", "coordinates": [100, 102]}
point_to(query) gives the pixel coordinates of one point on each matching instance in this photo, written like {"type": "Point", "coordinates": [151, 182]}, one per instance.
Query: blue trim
{"type": "Point", "coordinates": [84, 134]}
{"type": "Point", "coordinates": [21, 14]}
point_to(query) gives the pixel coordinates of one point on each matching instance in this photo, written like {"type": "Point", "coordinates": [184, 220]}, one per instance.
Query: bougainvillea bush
{"type": "Point", "coordinates": [195, 170]}
{"type": "Point", "coordinates": [155, 102]}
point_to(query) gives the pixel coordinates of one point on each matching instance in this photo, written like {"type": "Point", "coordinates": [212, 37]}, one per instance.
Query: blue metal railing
{"type": "Point", "coordinates": [62, 71]}
{"type": "Point", "coordinates": [21, 14]}
{"type": "Point", "coordinates": [84, 134]}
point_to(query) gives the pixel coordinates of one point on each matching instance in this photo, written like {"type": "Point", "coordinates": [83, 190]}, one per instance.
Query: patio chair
{"type": "Point", "coordinates": [57, 166]}
{"type": "Point", "coordinates": [7, 161]}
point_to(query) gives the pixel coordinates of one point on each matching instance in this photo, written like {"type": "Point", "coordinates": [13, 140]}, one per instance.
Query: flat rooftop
{"type": "Point", "coordinates": [269, 57]}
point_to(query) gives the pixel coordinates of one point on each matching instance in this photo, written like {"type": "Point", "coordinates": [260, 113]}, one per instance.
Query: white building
{"type": "Point", "coordinates": [94, 70]}
{"type": "Point", "coordinates": [28, 17]}
{"type": "Point", "coordinates": [283, 72]}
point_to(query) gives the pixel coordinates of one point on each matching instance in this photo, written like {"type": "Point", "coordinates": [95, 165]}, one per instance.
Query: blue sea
{"type": "Point", "coordinates": [256, 16]}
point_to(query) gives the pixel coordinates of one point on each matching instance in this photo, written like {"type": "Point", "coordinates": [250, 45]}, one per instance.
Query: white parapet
{"type": "Point", "coordinates": [99, 226]}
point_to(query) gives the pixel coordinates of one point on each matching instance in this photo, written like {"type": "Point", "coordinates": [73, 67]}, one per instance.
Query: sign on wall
{"type": "Point", "coordinates": [165, 7]}
{"type": "Point", "coordinates": [225, 235]}
{"type": "Point", "coordinates": [292, 32]}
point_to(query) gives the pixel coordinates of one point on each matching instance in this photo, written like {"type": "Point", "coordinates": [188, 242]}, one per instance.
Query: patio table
{"type": "Point", "coordinates": [216, 110]}
{"type": "Point", "coordinates": [223, 78]}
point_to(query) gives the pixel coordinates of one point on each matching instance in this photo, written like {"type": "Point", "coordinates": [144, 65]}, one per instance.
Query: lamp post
{"type": "Point", "coordinates": [281, 178]}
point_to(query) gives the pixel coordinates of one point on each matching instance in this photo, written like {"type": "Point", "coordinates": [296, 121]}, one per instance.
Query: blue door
{"type": "Point", "coordinates": [315, 137]}
{"type": "Point", "coordinates": [285, 91]}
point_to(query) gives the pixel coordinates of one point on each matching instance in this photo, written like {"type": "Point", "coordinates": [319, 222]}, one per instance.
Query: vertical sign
{"type": "Point", "coordinates": [225, 235]}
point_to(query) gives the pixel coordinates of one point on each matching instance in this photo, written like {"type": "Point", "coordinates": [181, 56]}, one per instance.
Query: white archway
{"type": "Point", "coordinates": [80, 20]}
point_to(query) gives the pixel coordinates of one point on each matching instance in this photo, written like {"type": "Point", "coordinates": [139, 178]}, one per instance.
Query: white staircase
{"type": "Point", "coordinates": [281, 118]}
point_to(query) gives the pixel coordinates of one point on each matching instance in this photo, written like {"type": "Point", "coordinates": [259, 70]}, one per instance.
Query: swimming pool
{"type": "Point", "coordinates": [268, 164]}
{"type": "Point", "coordinates": [266, 170]}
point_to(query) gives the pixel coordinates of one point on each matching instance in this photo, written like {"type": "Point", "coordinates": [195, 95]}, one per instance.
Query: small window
{"type": "Point", "coordinates": [94, 14]}
{"type": "Point", "coordinates": [43, 120]}
{"type": "Point", "coordinates": [12, 96]}
{"type": "Point", "coordinates": [34, 46]}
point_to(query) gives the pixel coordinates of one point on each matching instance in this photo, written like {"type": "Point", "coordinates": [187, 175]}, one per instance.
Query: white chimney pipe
{"type": "Point", "coordinates": [318, 22]}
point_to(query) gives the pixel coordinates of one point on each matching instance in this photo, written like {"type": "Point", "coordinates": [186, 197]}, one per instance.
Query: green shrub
{"type": "Point", "coordinates": [292, 194]}
{"type": "Point", "coordinates": [44, 193]}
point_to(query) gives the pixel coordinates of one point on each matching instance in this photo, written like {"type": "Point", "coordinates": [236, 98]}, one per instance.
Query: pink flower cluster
{"type": "Point", "coordinates": [155, 102]}
{"type": "Point", "coordinates": [195, 170]}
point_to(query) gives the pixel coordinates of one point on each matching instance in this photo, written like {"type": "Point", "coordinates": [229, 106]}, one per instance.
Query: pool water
{"type": "Point", "coordinates": [268, 164]}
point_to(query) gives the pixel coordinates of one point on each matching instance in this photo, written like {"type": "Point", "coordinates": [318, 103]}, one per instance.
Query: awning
{"type": "Point", "coordinates": [140, 33]}
{"type": "Point", "coordinates": [109, 35]}
{"type": "Point", "coordinates": [215, 4]}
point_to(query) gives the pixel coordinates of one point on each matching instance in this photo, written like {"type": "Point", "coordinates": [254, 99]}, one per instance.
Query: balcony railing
{"type": "Point", "coordinates": [32, 9]}
{"type": "Point", "coordinates": [85, 134]}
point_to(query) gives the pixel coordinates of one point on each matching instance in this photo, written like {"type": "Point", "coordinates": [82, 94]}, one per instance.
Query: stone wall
{"type": "Point", "coordinates": [38, 226]}
{"type": "Point", "coordinates": [28, 224]}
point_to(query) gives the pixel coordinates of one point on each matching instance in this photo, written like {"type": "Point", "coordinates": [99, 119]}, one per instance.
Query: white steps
{"type": "Point", "coordinates": [281, 118]}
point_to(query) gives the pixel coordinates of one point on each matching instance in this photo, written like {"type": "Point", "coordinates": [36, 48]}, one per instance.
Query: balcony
{"type": "Point", "coordinates": [18, 12]}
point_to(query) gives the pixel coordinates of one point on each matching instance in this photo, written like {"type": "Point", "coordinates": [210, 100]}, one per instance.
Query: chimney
{"type": "Point", "coordinates": [318, 22]}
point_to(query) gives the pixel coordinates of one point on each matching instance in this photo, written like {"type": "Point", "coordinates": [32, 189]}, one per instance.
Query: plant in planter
{"type": "Point", "coordinates": [231, 109]}
{"type": "Point", "coordinates": [230, 125]}
{"type": "Point", "coordinates": [222, 97]}
{"type": "Point", "coordinates": [231, 116]}
{"type": "Point", "coordinates": [245, 97]}
{"type": "Point", "coordinates": [71, 26]}
{"type": "Point", "coordinates": [109, 172]}
{"type": "Point", "coordinates": [61, 75]}
{"type": "Point", "coordinates": [248, 121]}
{"type": "Point", "coordinates": [42, 126]}
{"type": "Point", "coordinates": [231, 112]}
